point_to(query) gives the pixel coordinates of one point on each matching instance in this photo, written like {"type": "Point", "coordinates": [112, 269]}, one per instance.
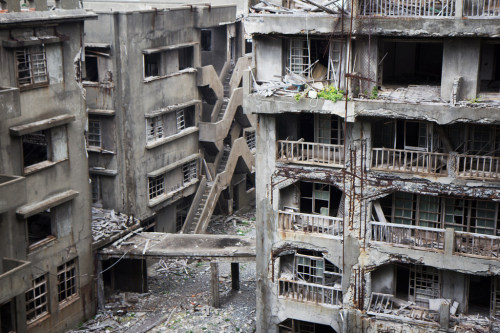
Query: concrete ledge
{"type": "Point", "coordinates": [31, 209]}
{"type": "Point", "coordinates": [12, 192]}
{"type": "Point", "coordinates": [15, 278]}
{"type": "Point", "coordinates": [41, 125]}
{"type": "Point", "coordinates": [10, 103]}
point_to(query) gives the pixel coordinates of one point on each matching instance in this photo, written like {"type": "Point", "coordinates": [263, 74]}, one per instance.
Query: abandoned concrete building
{"type": "Point", "coordinates": [377, 208]}
{"type": "Point", "coordinates": [167, 139]}
{"type": "Point", "coordinates": [46, 264]}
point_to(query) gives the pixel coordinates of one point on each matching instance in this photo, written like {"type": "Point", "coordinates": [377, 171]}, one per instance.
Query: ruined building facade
{"type": "Point", "coordinates": [380, 213]}
{"type": "Point", "coordinates": [166, 136]}
{"type": "Point", "coordinates": [46, 264]}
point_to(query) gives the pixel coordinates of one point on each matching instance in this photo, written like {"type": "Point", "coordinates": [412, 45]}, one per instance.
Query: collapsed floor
{"type": "Point", "coordinates": [178, 294]}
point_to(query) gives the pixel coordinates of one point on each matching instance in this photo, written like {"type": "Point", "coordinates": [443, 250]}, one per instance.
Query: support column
{"type": "Point", "coordinates": [214, 268]}
{"type": "Point", "coordinates": [100, 284]}
{"type": "Point", "coordinates": [235, 275]}
{"type": "Point", "coordinates": [449, 241]}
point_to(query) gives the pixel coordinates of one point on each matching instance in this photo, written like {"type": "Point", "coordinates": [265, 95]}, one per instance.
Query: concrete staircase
{"type": "Point", "coordinates": [227, 94]}
{"type": "Point", "coordinates": [191, 227]}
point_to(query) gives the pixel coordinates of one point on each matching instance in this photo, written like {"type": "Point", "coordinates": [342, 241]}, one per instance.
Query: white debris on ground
{"type": "Point", "coordinates": [178, 297]}
{"type": "Point", "coordinates": [107, 223]}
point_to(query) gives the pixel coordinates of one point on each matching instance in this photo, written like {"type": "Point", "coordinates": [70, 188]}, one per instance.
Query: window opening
{"type": "Point", "coordinates": [94, 133]}
{"type": "Point", "coordinates": [31, 66]}
{"type": "Point", "coordinates": [35, 147]}
{"type": "Point", "coordinates": [37, 299]}
{"type": "Point", "coordinates": [96, 188]}
{"type": "Point", "coordinates": [329, 130]}
{"type": "Point", "coordinates": [424, 284]}
{"type": "Point", "coordinates": [91, 69]}
{"type": "Point", "coordinates": [156, 186]}
{"type": "Point", "coordinates": [180, 117]}
{"type": "Point", "coordinates": [206, 40]}
{"type": "Point", "coordinates": [489, 72]}
{"type": "Point", "coordinates": [66, 281]}
{"type": "Point", "coordinates": [8, 317]}
{"type": "Point", "coordinates": [479, 295]}
{"type": "Point", "coordinates": [39, 227]}
{"type": "Point", "coordinates": [190, 171]}
{"type": "Point", "coordinates": [152, 64]}
{"type": "Point", "coordinates": [154, 128]}
{"type": "Point", "coordinates": [182, 210]}
{"type": "Point", "coordinates": [185, 57]}
{"type": "Point", "coordinates": [407, 63]}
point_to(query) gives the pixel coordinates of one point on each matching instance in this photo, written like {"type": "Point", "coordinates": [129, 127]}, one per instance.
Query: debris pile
{"type": "Point", "coordinates": [106, 224]}
{"type": "Point", "coordinates": [333, 7]}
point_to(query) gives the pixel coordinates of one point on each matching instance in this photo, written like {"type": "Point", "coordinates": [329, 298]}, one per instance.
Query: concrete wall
{"type": "Point", "coordinates": [268, 58]}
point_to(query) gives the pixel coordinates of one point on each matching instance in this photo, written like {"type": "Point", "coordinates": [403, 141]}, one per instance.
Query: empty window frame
{"type": "Point", "coordinates": [186, 57]}
{"type": "Point", "coordinates": [180, 119]}
{"type": "Point", "coordinates": [40, 227]}
{"type": "Point", "coordinates": [31, 66]}
{"type": "Point", "coordinates": [67, 281]}
{"type": "Point", "coordinates": [94, 136]}
{"type": "Point", "coordinates": [158, 64]}
{"type": "Point", "coordinates": [425, 284]}
{"type": "Point", "coordinates": [37, 304]}
{"type": "Point", "coordinates": [320, 59]}
{"type": "Point", "coordinates": [156, 186]}
{"type": "Point", "coordinates": [91, 68]}
{"type": "Point", "coordinates": [489, 71]}
{"type": "Point", "coordinates": [311, 267]}
{"type": "Point", "coordinates": [96, 188]}
{"type": "Point", "coordinates": [317, 198]}
{"type": "Point", "coordinates": [405, 134]}
{"type": "Point", "coordinates": [206, 40]}
{"type": "Point", "coordinates": [409, 62]}
{"type": "Point", "coordinates": [152, 64]}
{"type": "Point", "coordinates": [329, 130]}
{"type": "Point", "coordinates": [154, 128]}
{"type": "Point", "coordinates": [469, 215]}
{"type": "Point", "coordinates": [45, 145]}
{"type": "Point", "coordinates": [190, 171]}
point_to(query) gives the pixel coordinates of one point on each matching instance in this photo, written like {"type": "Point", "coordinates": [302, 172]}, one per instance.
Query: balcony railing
{"type": "Point", "coordinates": [477, 244]}
{"type": "Point", "coordinates": [309, 292]}
{"type": "Point", "coordinates": [481, 8]}
{"type": "Point", "coordinates": [408, 235]}
{"type": "Point", "coordinates": [310, 223]}
{"type": "Point", "coordinates": [398, 160]}
{"type": "Point", "coordinates": [408, 8]}
{"type": "Point", "coordinates": [310, 153]}
{"type": "Point", "coordinates": [478, 167]}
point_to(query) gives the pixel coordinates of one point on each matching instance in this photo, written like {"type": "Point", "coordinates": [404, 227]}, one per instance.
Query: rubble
{"type": "Point", "coordinates": [107, 223]}
{"type": "Point", "coordinates": [296, 6]}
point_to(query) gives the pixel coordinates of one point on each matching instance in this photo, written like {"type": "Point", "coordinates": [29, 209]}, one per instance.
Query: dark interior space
{"type": "Point", "coordinates": [409, 62]}
{"type": "Point", "coordinates": [8, 317]}
{"type": "Point", "coordinates": [39, 226]}
{"type": "Point", "coordinates": [306, 127]}
{"type": "Point", "coordinates": [189, 115]}
{"type": "Point", "coordinates": [35, 148]}
{"type": "Point", "coordinates": [185, 57]}
{"type": "Point", "coordinates": [248, 46]}
{"type": "Point", "coordinates": [320, 51]}
{"type": "Point", "coordinates": [479, 295]}
{"type": "Point", "coordinates": [206, 40]}
{"type": "Point", "coordinates": [402, 282]}
{"type": "Point", "coordinates": [91, 69]}
{"type": "Point", "coordinates": [151, 64]}
{"type": "Point", "coordinates": [298, 326]}
{"type": "Point", "coordinates": [489, 72]}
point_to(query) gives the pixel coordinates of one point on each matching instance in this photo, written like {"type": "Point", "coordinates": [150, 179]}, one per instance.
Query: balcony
{"type": "Point", "coordinates": [10, 103]}
{"type": "Point", "coordinates": [15, 278]}
{"type": "Point", "coordinates": [409, 161]}
{"type": "Point", "coordinates": [478, 167]}
{"type": "Point", "coordinates": [310, 292]}
{"type": "Point", "coordinates": [310, 223]}
{"type": "Point", "coordinates": [408, 8]}
{"type": "Point", "coordinates": [12, 192]}
{"type": "Point", "coordinates": [408, 235]}
{"type": "Point", "coordinates": [477, 244]}
{"type": "Point", "coordinates": [311, 153]}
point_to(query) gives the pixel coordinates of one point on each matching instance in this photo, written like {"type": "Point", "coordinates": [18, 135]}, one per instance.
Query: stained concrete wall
{"type": "Point", "coordinates": [268, 58]}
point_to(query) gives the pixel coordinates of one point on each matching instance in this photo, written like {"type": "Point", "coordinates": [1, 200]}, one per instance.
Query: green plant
{"type": "Point", "coordinates": [374, 93]}
{"type": "Point", "coordinates": [474, 100]}
{"type": "Point", "coordinates": [331, 93]}
{"type": "Point", "coordinates": [297, 96]}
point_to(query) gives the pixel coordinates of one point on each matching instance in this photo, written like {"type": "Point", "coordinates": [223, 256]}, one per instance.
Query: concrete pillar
{"type": "Point", "coordinates": [449, 241]}
{"type": "Point", "coordinates": [235, 275]}
{"type": "Point", "coordinates": [214, 268]}
{"type": "Point", "coordinates": [38, 5]}
{"type": "Point", "coordinates": [100, 285]}
{"type": "Point", "coordinates": [459, 8]}
{"type": "Point", "coordinates": [444, 315]}
{"type": "Point", "coordinates": [247, 82]}
{"type": "Point", "coordinates": [12, 5]}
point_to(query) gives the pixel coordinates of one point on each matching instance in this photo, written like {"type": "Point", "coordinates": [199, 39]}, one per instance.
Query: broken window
{"type": "Point", "coordinates": [94, 133]}
{"type": "Point", "coordinates": [96, 189]}
{"type": "Point", "coordinates": [91, 68]}
{"type": "Point", "coordinates": [319, 198]}
{"type": "Point", "coordinates": [66, 281]}
{"type": "Point", "coordinates": [35, 147]}
{"type": "Point", "coordinates": [405, 134]}
{"type": "Point", "coordinates": [31, 66]}
{"type": "Point", "coordinates": [311, 267]}
{"type": "Point", "coordinates": [206, 40]}
{"type": "Point", "coordinates": [154, 128]}
{"type": "Point", "coordinates": [319, 59]}
{"type": "Point", "coordinates": [424, 284]}
{"type": "Point", "coordinates": [329, 130]}
{"type": "Point", "coordinates": [190, 171]}
{"type": "Point", "coordinates": [408, 62]}
{"type": "Point", "coordinates": [299, 326]}
{"type": "Point", "coordinates": [469, 215]}
{"type": "Point", "coordinates": [36, 298]}
{"type": "Point", "coordinates": [40, 228]}
{"type": "Point", "coordinates": [489, 71]}
{"type": "Point", "coordinates": [156, 186]}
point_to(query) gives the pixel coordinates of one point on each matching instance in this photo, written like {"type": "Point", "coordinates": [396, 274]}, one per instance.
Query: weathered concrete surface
{"type": "Point", "coordinates": [15, 278]}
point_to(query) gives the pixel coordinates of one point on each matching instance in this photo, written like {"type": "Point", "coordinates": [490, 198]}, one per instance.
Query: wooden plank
{"type": "Point", "coordinates": [214, 269]}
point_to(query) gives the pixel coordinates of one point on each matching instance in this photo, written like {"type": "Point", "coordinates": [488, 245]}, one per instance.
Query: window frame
{"type": "Point", "coordinates": [69, 267]}
{"type": "Point", "coordinates": [42, 282]}
{"type": "Point", "coordinates": [94, 137]}
{"type": "Point", "coordinates": [156, 187]}
{"type": "Point", "coordinates": [28, 52]}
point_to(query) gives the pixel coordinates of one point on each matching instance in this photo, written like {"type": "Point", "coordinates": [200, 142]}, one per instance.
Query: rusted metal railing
{"type": "Point", "coordinates": [478, 167]}
{"type": "Point", "coordinates": [310, 223]}
{"type": "Point", "coordinates": [477, 244]}
{"type": "Point", "coordinates": [408, 235]}
{"type": "Point", "coordinates": [310, 292]}
{"type": "Point", "coordinates": [310, 153]}
{"type": "Point", "coordinates": [399, 160]}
